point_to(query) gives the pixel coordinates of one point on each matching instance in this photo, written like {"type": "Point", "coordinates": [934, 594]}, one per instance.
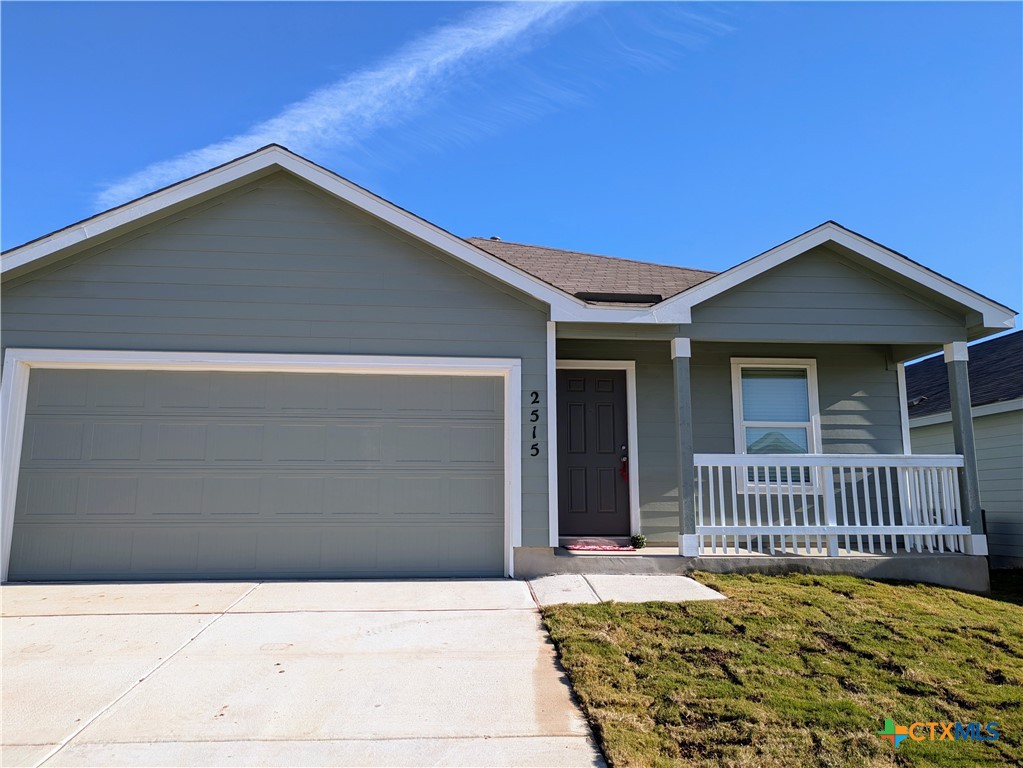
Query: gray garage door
{"type": "Point", "coordinates": [156, 474]}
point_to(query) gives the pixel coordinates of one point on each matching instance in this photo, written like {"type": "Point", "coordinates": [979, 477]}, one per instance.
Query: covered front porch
{"type": "Point", "coordinates": [848, 497]}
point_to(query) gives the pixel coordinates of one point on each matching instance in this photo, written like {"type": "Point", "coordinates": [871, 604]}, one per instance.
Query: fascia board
{"type": "Point", "coordinates": [993, 315]}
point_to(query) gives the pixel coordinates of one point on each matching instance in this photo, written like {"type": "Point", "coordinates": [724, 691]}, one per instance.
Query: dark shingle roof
{"type": "Point", "coordinates": [577, 272]}
{"type": "Point", "coordinates": [996, 375]}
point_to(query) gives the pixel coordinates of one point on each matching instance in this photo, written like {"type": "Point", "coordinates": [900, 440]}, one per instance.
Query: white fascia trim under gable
{"type": "Point", "coordinates": [563, 305]}
{"type": "Point", "coordinates": [19, 363]}
{"type": "Point", "coordinates": [994, 315]}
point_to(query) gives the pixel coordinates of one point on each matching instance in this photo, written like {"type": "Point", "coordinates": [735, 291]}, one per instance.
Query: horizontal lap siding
{"type": "Point", "coordinates": [278, 267]}
{"type": "Point", "coordinates": [822, 296]}
{"type": "Point", "coordinates": [858, 395]}
{"type": "Point", "coordinates": [859, 401]}
{"type": "Point", "coordinates": [999, 440]}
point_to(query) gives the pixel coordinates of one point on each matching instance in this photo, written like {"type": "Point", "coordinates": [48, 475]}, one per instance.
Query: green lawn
{"type": "Point", "coordinates": [797, 671]}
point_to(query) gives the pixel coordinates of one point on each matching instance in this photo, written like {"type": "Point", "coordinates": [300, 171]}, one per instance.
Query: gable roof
{"type": "Point", "coordinates": [520, 269]}
{"type": "Point", "coordinates": [262, 162]}
{"type": "Point", "coordinates": [990, 314]}
{"type": "Point", "coordinates": [589, 273]}
{"type": "Point", "coordinates": [996, 375]}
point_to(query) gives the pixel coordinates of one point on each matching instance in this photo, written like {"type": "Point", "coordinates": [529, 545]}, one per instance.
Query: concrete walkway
{"type": "Point", "coordinates": [285, 674]}
{"type": "Point", "coordinates": [632, 588]}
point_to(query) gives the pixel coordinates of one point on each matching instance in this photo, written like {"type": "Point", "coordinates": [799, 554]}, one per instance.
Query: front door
{"type": "Point", "coordinates": [593, 484]}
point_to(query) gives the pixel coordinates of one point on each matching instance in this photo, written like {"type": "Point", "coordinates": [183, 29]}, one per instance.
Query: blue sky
{"type": "Point", "coordinates": [696, 134]}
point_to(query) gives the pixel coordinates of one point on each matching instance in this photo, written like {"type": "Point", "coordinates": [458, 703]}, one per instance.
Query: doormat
{"type": "Point", "coordinates": [597, 545]}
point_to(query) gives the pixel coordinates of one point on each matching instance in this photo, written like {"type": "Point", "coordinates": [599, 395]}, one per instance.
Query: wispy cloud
{"type": "Point", "coordinates": [343, 113]}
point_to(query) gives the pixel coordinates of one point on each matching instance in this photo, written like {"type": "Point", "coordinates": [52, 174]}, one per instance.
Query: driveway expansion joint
{"type": "Point", "coordinates": [162, 662]}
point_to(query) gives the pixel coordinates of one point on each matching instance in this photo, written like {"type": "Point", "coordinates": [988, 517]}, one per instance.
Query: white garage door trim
{"type": "Point", "coordinates": [18, 364]}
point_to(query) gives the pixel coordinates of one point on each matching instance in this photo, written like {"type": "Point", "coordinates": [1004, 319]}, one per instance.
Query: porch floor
{"type": "Point", "coordinates": [968, 572]}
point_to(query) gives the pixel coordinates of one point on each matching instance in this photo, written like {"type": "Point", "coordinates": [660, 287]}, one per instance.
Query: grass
{"type": "Point", "coordinates": [797, 670]}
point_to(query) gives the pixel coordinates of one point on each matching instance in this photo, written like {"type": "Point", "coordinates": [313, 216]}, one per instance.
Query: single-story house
{"type": "Point", "coordinates": [268, 371]}
{"type": "Point", "coordinates": [996, 386]}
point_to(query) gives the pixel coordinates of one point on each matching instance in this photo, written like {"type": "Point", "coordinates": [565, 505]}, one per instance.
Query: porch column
{"type": "Point", "coordinates": [680, 359]}
{"type": "Point", "coordinates": [956, 362]}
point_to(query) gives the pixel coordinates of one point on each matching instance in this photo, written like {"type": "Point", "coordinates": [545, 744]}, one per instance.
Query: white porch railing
{"type": "Point", "coordinates": [833, 504]}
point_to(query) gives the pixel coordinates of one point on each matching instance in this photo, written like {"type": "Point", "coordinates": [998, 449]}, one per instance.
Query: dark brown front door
{"type": "Point", "coordinates": [593, 491]}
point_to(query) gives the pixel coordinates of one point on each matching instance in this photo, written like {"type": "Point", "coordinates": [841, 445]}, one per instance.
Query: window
{"type": "Point", "coordinates": [775, 406]}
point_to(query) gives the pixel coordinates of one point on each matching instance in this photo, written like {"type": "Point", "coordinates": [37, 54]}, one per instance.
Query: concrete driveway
{"type": "Point", "coordinates": [365, 673]}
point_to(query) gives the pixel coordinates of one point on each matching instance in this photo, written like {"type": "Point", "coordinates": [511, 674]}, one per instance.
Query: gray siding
{"type": "Point", "coordinates": [1000, 465]}
{"type": "Point", "coordinates": [823, 296]}
{"type": "Point", "coordinates": [859, 402]}
{"type": "Point", "coordinates": [859, 396]}
{"type": "Point", "coordinates": [280, 267]}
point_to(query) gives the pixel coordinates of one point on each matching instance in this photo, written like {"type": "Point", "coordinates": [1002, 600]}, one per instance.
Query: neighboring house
{"type": "Point", "coordinates": [996, 386]}
{"type": "Point", "coordinates": [268, 371]}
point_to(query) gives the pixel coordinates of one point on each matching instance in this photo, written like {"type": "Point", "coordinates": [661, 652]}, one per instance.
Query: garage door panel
{"type": "Point", "coordinates": [164, 550]}
{"type": "Point", "coordinates": [353, 496]}
{"type": "Point", "coordinates": [47, 495]}
{"type": "Point", "coordinates": [170, 495]}
{"type": "Point", "coordinates": [226, 495]}
{"type": "Point", "coordinates": [231, 391]}
{"type": "Point", "coordinates": [479, 498]}
{"type": "Point", "coordinates": [116, 390]}
{"type": "Point", "coordinates": [116, 441]}
{"type": "Point", "coordinates": [228, 551]}
{"type": "Point", "coordinates": [108, 495]}
{"type": "Point", "coordinates": [196, 474]}
{"type": "Point", "coordinates": [355, 442]}
{"type": "Point", "coordinates": [298, 442]}
{"type": "Point", "coordinates": [59, 389]}
{"type": "Point", "coordinates": [232, 441]}
{"type": "Point", "coordinates": [179, 390]}
{"type": "Point", "coordinates": [180, 441]}
{"type": "Point", "coordinates": [350, 550]}
{"type": "Point", "coordinates": [58, 440]}
{"type": "Point", "coordinates": [101, 549]}
{"type": "Point", "coordinates": [288, 495]}
{"type": "Point", "coordinates": [41, 551]}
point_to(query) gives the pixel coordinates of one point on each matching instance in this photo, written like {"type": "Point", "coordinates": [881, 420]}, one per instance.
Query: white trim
{"type": "Point", "coordinates": [907, 445]}
{"type": "Point", "coordinates": [993, 315]}
{"type": "Point", "coordinates": [681, 347]}
{"type": "Point", "coordinates": [632, 428]}
{"type": "Point", "coordinates": [956, 351]}
{"type": "Point", "coordinates": [689, 545]}
{"type": "Point", "coordinates": [976, 544]}
{"type": "Point", "coordinates": [814, 443]}
{"type": "Point", "coordinates": [564, 306]}
{"type": "Point", "coordinates": [827, 460]}
{"type": "Point", "coordinates": [833, 530]}
{"type": "Point", "coordinates": [552, 433]}
{"type": "Point", "coordinates": [990, 409]}
{"type": "Point", "coordinates": [18, 364]}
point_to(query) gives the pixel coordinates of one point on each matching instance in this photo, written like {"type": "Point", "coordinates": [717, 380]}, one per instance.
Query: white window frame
{"type": "Point", "coordinates": [19, 363]}
{"type": "Point", "coordinates": [814, 441]}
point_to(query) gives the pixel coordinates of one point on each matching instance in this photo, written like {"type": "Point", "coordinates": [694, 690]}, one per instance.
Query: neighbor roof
{"type": "Point", "coordinates": [996, 375]}
{"type": "Point", "coordinates": [588, 273]}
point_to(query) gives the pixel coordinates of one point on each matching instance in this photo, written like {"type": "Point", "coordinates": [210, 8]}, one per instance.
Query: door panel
{"type": "Point", "coordinates": [593, 494]}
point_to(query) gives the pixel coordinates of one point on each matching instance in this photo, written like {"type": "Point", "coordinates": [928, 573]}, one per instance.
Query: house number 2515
{"type": "Point", "coordinates": [534, 416]}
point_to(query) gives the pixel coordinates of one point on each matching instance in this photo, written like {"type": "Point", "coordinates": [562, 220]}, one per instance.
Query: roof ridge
{"type": "Point", "coordinates": [587, 253]}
